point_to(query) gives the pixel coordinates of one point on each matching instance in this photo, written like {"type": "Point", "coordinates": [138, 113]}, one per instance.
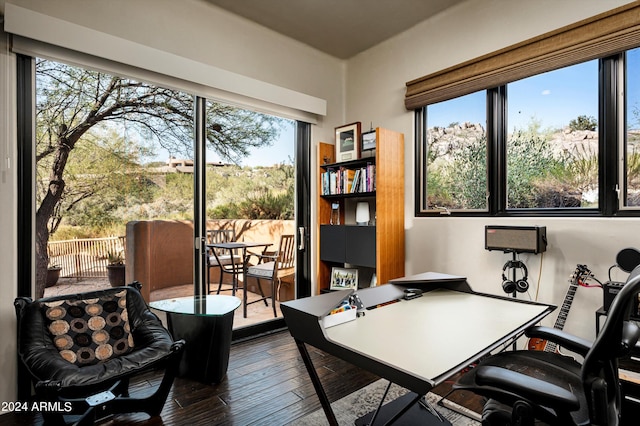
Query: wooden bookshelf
{"type": "Point", "coordinates": [387, 205]}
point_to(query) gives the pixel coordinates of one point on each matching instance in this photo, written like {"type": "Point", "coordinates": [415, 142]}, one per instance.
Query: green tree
{"type": "Point", "coordinates": [252, 193]}
{"type": "Point", "coordinates": [457, 175]}
{"type": "Point", "coordinates": [466, 175]}
{"type": "Point", "coordinates": [583, 122]}
{"type": "Point", "coordinates": [101, 173]}
{"type": "Point", "coordinates": [530, 160]}
{"type": "Point", "coordinates": [71, 101]}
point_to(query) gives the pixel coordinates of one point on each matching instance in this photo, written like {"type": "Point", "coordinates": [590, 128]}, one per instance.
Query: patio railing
{"type": "Point", "coordinates": [84, 257]}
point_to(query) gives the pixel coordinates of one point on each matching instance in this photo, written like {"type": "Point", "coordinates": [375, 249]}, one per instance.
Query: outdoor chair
{"type": "Point", "coordinates": [525, 386]}
{"type": "Point", "coordinates": [272, 266]}
{"type": "Point", "coordinates": [81, 350]}
{"type": "Point", "coordinates": [227, 261]}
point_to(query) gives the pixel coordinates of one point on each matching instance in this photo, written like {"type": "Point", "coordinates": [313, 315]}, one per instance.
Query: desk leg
{"type": "Point", "coordinates": [397, 415]}
{"type": "Point", "coordinates": [324, 401]}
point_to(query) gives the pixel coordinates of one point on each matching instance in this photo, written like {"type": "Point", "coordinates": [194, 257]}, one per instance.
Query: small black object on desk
{"type": "Point", "coordinates": [412, 293]}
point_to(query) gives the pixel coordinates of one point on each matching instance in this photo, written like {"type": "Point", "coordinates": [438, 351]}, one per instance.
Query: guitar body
{"type": "Point", "coordinates": [538, 344]}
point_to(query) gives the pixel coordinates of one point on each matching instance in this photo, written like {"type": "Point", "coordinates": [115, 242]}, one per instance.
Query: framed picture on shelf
{"type": "Point", "coordinates": [343, 279]}
{"type": "Point", "coordinates": [347, 142]}
{"type": "Point", "coordinates": [368, 144]}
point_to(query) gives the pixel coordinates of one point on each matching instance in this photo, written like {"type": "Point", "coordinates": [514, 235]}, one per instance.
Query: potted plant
{"type": "Point", "coordinates": [53, 274]}
{"type": "Point", "coordinates": [115, 268]}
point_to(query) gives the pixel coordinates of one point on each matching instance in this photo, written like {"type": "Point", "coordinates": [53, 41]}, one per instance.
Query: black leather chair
{"type": "Point", "coordinates": [81, 350]}
{"type": "Point", "coordinates": [556, 389]}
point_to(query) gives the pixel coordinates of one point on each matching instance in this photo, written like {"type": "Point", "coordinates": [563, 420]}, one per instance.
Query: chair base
{"type": "Point", "coordinates": [262, 298]}
{"type": "Point", "coordinates": [60, 408]}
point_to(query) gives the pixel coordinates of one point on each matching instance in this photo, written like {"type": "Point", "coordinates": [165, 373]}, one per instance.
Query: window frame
{"type": "Point", "coordinates": [605, 37]}
{"type": "Point", "coordinates": [611, 172]}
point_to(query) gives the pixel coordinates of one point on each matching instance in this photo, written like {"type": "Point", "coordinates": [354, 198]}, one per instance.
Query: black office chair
{"type": "Point", "coordinates": [82, 349]}
{"type": "Point", "coordinates": [556, 389]}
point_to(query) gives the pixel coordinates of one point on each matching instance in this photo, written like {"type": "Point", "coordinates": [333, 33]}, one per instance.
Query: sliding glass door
{"type": "Point", "coordinates": [127, 173]}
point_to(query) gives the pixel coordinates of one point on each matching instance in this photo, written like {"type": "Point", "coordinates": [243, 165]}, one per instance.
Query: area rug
{"type": "Point", "coordinates": [359, 403]}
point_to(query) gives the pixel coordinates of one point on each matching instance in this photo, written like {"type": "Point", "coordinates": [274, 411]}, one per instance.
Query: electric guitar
{"type": "Point", "coordinates": [579, 274]}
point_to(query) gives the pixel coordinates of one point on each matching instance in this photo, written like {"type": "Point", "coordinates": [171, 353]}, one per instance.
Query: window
{"type": "Point", "coordinates": [544, 149]}
{"type": "Point", "coordinates": [604, 47]}
{"type": "Point", "coordinates": [631, 178]}
{"type": "Point", "coordinates": [112, 152]}
{"type": "Point", "coordinates": [455, 155]}
{"type": "Point", "coordinates": [552, 139]}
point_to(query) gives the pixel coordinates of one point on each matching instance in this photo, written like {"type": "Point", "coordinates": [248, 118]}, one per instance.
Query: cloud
{"type": "Point", "coordinates": [546, 92]}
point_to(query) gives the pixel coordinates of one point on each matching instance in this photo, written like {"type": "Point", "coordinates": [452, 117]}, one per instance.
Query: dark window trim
{"type": "Point", "coordinates": [420, 118]}
{"type": "Point", "coordinates": [25, 115]}
{"type": "Point", "coordinates": [25, 125]}
{"type": "Point", "coordinates": [608, 154]}
{"type": "Point", "coordinates": [496, 152]}
{"type": "Point", "coordinates": [608, 135]}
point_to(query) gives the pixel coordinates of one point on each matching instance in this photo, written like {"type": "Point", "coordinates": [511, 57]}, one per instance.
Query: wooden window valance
{"type": "Point", "coordinates": [602, 35]}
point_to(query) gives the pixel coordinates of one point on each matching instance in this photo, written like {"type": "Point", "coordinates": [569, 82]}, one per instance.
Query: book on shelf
{"type": "Point", "coordinates": [343, 180]}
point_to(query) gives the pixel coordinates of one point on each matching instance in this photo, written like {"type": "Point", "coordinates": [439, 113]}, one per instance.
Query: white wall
{"type": "Point", "coordinates": [375, 92]}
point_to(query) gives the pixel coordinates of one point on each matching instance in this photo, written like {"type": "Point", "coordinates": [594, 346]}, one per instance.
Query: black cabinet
{"type": "Point", "coordinates": [360, 245]}
{"type": "Point", "coordinates": [355, 245]}
{"type": "Point", "coordinates": [332, 238]}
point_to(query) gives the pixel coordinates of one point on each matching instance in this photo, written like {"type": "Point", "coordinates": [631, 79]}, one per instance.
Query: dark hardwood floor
{"type": "Point", "coordinates": [266, 384]}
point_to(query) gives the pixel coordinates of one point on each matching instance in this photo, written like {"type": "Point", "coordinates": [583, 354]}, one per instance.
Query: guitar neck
{"type": "Point", "coordinates": [562, 316]}
{"type": "Point", "coordinates": [580, 272]}
{"type": "Point", "coordinates": [566, 305]}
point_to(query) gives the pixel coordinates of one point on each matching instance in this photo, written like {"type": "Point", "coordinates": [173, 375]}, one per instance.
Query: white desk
{"type": "Point", "coordinates": [430, 334]}
{"type": "Point", "coordinates": [415, 343]}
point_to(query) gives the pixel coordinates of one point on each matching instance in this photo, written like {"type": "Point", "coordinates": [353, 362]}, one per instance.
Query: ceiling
{"type": "Point", "coordinates": [341, 28]}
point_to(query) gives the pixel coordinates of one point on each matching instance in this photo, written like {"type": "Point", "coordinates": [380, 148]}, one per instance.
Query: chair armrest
{"type": "Point", "coordinates": [262, 257]}
{"type": "Point", "coordinates": [530, 388]}
{"type": "Point", "coordinates": [562, 338]}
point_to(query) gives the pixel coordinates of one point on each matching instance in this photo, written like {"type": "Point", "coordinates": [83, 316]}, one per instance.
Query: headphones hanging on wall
{"type": "Point", "coordinates": [511, 286]}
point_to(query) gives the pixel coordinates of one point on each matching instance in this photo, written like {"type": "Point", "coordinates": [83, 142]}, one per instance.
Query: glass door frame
{"type": "Point", "coordinates": [25, 152]}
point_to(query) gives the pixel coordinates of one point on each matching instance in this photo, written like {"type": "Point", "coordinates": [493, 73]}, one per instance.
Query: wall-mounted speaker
{"type": "Point", "coordinates": [519, 239]}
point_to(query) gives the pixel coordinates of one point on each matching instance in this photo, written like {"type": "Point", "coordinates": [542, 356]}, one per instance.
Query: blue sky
{"type": "Point", "coordinates": [282, 150]}
{"type": "Point", "coordinates": [552, 98]}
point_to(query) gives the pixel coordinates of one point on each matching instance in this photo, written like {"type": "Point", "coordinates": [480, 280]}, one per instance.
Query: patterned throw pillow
{"type": "Point", "coordinates": [90, 331]}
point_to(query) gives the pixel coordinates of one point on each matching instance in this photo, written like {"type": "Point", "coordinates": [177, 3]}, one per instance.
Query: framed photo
{"type": "Point", "coordinates": [368, 143]}
{"type": "Point", "coordinates": [347, 142]}
{"type": "Point", "coordinates": [343, 279]}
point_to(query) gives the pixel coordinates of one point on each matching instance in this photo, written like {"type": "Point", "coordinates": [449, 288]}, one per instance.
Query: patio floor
{"type": "Point", "coordinates": [256, 312]}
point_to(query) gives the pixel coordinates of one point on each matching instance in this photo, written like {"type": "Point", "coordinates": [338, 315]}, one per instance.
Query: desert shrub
{"type": "Point", "coordinates": [583, 122]}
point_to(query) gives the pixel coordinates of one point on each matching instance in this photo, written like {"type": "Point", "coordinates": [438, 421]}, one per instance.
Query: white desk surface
{"type": "Point", "coordinates": [430, 335]}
